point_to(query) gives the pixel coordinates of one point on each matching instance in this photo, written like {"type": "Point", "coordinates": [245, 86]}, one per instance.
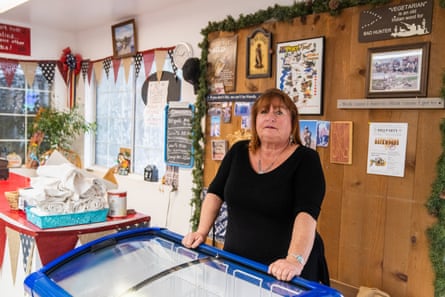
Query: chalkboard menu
{"type": "Point", "coordinates": [178, 131]}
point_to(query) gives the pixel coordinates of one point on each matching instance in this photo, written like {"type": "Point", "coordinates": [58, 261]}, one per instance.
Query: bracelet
{"type": "Point", "coordinates": [299, 258]}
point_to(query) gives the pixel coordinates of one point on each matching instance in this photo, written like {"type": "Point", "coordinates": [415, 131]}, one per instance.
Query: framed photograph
{"type": "Point", "coordinates": [398, 71]}
{"type": "Point", "coordinates": [300, 73]}
{"type": "Point", "coordinates": [259, 54]}
{"type": "Point", "coordinates": [341, 142]}
{"type": "Point", "coordinates": [124, 39]}
{"type": "Point", "coordinates": [219, 149]}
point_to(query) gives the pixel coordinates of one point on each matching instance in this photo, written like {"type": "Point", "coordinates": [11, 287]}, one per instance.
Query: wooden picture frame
{"type": "Point", "coordinates": [124, 39]}
{"type": "Point", "coordinates": [259, 54]}
{"type": "Point", "coordinates": [300, 73]}
{"type": "Point", "coordinates": [398, 71]}
{"type": "Point", "coordinates": [341, 142]}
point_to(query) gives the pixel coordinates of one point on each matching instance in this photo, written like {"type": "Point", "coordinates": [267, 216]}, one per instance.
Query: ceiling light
{"type": "Point", "coordinates": [9, 4]}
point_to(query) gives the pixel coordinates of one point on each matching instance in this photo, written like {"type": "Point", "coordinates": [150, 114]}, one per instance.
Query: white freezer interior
{"type": "Point", "coordinates": [153, 266]}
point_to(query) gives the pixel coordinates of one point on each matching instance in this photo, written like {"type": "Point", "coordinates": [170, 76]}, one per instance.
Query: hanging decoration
{"type": "Point", "coordinates": [70, 66]}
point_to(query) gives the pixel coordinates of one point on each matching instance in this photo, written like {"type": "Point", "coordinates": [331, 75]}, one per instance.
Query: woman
{"type": "Point", "coordinates": [274, 187]}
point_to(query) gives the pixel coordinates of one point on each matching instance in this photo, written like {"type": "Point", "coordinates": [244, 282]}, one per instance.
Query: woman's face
{"type": "Point", "coordinates": [273, 122]}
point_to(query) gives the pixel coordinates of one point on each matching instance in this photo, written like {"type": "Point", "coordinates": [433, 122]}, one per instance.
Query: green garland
{"type": "Point", "coordinates": [436, 207]}
{"type": "Point", "coordinates": [277, 13]}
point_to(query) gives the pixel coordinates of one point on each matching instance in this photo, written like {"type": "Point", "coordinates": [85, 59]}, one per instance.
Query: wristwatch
{"type": "Point", "coordinates": [182, 52]}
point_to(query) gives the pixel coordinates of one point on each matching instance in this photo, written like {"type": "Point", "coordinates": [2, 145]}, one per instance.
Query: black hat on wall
{"type": "Point", "coordinates": [191, 72]}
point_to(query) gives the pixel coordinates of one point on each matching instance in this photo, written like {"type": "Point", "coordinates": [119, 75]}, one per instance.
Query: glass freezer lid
{"type": "Point", "coordinates": [153, 266]}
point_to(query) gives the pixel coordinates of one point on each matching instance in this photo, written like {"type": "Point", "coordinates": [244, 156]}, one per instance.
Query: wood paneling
{"type": "Point", "coordinates": [373, 225]}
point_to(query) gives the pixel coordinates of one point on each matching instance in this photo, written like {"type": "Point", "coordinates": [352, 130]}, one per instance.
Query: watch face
{"type": "Point", "coordinates": [181, 53]}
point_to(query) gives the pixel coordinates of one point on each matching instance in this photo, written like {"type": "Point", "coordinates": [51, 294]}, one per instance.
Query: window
{"type": "Point", "coordinates": [124, 121]}
{"type": "Point", "coordinates": [19, 103]}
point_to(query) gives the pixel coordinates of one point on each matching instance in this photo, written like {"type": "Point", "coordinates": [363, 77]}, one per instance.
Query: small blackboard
{"type": "Point", "coordinates": [178, 135]}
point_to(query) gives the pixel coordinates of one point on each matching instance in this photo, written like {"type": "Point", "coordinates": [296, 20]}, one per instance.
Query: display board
{"type": "Point", "coordinates": [178, 132]}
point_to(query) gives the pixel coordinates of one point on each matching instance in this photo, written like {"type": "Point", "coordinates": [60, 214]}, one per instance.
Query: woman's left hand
{"type": "Point", "coordinates": [285, 269]}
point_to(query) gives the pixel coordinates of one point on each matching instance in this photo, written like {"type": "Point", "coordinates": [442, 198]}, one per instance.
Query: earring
{"type": "Point", "coordinates": [291, 139]}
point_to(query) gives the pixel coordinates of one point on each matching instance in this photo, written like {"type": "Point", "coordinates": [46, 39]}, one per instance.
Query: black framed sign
{"type": "Point", "coordinates": [398, 71]}
{"type": "Point", "coordinates": [178, 135]}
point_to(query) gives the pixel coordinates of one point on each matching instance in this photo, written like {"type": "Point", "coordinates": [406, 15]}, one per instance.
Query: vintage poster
{"type": "Point", "coordinates": [299, 73]}
{"type": "Point", "coordinates": [222, 64]}
{"type": "Point", "coordinates": [387, 148]}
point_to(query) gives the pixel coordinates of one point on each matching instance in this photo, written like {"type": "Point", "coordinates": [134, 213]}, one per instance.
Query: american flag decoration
{"type": "Point", "coordinates": [107, 66]}
{"type": "Point", "coordinates": [134, 226]}
{"type": "Point", "coordinates": [84, 66]}
{"type": "Point", "coordinates": [138, 63]}
{"type": "Point", "coordinates": [28, 243]}
{"type": "Point", "coordinates": [48, 70]}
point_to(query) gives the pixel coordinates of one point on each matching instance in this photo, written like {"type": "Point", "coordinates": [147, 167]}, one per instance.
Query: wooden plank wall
{"type": "Point", "coordinates": [373, 226]}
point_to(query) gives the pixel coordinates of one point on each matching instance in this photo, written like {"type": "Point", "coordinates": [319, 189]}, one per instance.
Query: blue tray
{"type": "Point", "coordinates": [69, 219]}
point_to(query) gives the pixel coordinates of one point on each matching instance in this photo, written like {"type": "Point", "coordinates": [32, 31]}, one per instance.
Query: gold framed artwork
{"type": "Point", "coordinates": [124, 39]}
{"type": "Point", "coordinates": [341, 142]}
{"type": "Point", "coordinates": [259, 54]}
{"type": "Point", "coordinates": [398, 71]}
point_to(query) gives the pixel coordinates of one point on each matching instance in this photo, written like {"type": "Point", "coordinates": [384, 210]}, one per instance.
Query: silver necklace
{"type": "Point", "coordinates": [260, 171]}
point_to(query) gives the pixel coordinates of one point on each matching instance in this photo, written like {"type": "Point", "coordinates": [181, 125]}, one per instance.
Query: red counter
{"type": "Point", "coordinates": [24, 247]}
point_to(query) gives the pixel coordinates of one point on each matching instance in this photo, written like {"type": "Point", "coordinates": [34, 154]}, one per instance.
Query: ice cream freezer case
{"type": "Point", "coordinates": [152, 262]}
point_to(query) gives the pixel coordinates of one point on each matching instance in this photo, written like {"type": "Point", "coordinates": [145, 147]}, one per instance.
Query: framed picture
{"type": "Point", "coordinates": [398, 71]}
{"type": "Point", "coordinates": [259, 54]}
{"type": "Point", "coordinates": [341, 142]}
{"type": "Point", "coordinates": [124, 39]}
{"type": "Point", "coordinates": [219, 149]}
{"type": "Point", "coordinates": [300, 73]}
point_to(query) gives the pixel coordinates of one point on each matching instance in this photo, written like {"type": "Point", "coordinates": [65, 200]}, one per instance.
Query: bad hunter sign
{"type": "Point", "coordinates": [397, 21]}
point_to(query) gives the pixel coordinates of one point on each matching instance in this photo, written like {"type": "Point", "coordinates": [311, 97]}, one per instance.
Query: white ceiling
{"type": "Point", "coordinates": [79, 15]}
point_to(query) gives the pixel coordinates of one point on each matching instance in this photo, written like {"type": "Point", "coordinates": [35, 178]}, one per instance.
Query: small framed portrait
{"type": "Point", "coordinates": [259, 54]}
{"type": "Point", "coordinates": [398, 71]}
{"type": "Point", "coordinates": [124, 39]}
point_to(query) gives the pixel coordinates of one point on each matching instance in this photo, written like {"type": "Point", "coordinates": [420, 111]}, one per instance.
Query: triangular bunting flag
{"type": "Point", "coordinates": [148, 61]}
{"type": "Point", "coordinates": [63, 69]}
{"type": "Point", "coordinates": [138, 63]}
{"type": "Point", "coordinates": [2, 244]}
{"type": "Point", "coordinates": [98, 66]}
{"type": "Point", "coordinates": [27, 251]}
{"type": "Point", "coordinates": [14, 247]}
{"type": "Point", "coordinates": [48, 70]}
{"type": "Point", "coordinates": [29, 70]}
{"type": "Point", "coordinates": [87, 237]}
{"type": "Point", "coordinates": [48, 250]}
{"type": "Point", "coordinates": [84, 68]}
{"type": "Point", "coordinates": [127, 66]}
{"type": "Point", "coordinates": [9, 67]}
{"type": "Point", "coordinates": [116, 65]}
{"type": "Point", "coordinates": [107, 66]}
{"type": "Point", "coordinates": [159, 60]}
{"type": "Point", "coordinates": [90, 71]}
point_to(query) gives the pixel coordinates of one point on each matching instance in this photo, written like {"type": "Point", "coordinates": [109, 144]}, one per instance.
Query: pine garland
{"type": "Point", "coordinates": [436, 207]}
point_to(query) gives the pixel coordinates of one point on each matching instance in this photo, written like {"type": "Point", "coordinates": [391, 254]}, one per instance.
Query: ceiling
{"type": "Point", "coordinates": [79, 15]}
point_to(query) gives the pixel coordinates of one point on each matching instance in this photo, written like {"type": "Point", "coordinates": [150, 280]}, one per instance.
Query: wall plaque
{"type": "Point", "coordinates": [15, 40]}
{"type": "Point", "coordinates": [396, 21]}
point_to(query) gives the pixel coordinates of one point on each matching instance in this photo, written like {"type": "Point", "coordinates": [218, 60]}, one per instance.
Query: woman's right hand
{"type": "Point", "coordinates": [193, 239]}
